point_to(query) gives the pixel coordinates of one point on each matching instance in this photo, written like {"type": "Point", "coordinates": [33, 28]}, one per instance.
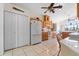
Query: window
{"type": "Point", "coordinates": [72, 25]}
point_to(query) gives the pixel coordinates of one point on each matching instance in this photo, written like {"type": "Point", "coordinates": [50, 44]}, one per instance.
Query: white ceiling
{"type": "Point", "coordinates": [34, 7]}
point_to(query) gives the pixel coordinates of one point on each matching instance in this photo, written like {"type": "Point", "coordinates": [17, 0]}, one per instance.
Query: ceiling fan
{"type": "Point", "coordinates": [51, 8]}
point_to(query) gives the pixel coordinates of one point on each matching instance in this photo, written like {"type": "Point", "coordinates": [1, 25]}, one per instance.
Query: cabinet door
{"type": "Point", "coordinates": [77, 9]}
{"type": "Point", "coordinates": [22, 30]}
{"type": "Point", "coordinates": [44, 36]}
{"type": "Point", "coordinates": [10, 30]}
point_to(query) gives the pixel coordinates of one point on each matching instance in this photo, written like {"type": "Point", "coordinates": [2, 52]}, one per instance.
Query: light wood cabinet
{"type": "Point", "coordinates": [77, 9]}
{"type": "Point", "coordinates": [65, 34]}
{"type": "Point", "coordinates": [47, 23]}
{"type": "Point", "coordinates": [44, 36]}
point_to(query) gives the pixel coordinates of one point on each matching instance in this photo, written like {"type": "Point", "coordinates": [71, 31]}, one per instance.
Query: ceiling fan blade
{"type": "Point", "coordinates": [52, 11]}
{"type": "Point", "coordinates": [46, 11]}
{"type": "Point", "coordinates": [44, 7]}
{"type": "Point", "coordinates": [52, 4]}
{"type": "Point", "coordinates": [60, 6]}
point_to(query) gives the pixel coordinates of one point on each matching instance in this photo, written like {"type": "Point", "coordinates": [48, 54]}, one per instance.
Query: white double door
{"type": "Point", "coordinates": [15, 30]}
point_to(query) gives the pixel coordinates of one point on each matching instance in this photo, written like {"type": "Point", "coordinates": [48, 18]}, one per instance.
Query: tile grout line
{"type": "Point", "coordinates": [24, 51]}
{"type": "Point", "coordinates": [12, 52]}
{"type": "Point", "coordinates": [35, 51]}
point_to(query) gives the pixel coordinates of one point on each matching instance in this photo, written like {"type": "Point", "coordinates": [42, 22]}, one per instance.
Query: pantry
{"type": "Point", "coordinates": [16, 30]}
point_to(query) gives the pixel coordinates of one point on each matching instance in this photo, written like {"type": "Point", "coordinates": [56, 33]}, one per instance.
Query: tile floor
{"type": "Point", "coordinates": [46, 48]}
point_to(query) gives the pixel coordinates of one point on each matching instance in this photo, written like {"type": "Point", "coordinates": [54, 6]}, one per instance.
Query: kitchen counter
{"type": "Point", "coordinates": [74, 33]}
{"type": "Point", "coordinates": [74, 36]}
{"type": "Point", "coordinates": [67, 31]}
{"type": "Point", "coordinates": [72, 45]}
{"type": "Point", "coordinates": [65, 34]}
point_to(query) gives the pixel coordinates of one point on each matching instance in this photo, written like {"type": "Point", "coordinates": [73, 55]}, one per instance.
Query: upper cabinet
{"type": "Point", "coordinates": [47, 23]}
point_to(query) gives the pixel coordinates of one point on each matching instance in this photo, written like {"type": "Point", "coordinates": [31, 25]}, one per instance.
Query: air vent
{"type": "Point", "coordinates": [18, 9]}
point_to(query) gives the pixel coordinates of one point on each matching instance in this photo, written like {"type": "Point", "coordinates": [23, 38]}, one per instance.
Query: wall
{"type": "Point", "coordinates": [1, 28]}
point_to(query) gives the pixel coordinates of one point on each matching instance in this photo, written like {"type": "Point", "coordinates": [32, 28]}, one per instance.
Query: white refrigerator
{"type": "Point", "coordinates": [36, 32]}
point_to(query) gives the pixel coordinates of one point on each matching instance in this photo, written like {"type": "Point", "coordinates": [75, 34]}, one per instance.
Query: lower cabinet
{"type": "Point", "coordinates": [65, 34]}
{"type": "Point", "coordinates": [44, 36]}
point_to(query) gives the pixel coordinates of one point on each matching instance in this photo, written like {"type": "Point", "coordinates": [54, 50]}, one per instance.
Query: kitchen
{"type": "Point", "coordinates": [31, 23]}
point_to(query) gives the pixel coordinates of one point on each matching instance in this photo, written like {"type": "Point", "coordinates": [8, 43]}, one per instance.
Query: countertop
{"type": "Point", "coordinates": [67, 31]}
{"type": "Point", "coordinates": [74, 33]}
{"type": "Point", "coordinates": [72, 44]}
